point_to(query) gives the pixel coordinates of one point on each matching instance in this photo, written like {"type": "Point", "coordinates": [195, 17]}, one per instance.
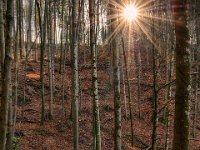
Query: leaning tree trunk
{"type": "Point", "coordinates": [6, 79]}
{"type": "Point", "coordinates": [181, 120]}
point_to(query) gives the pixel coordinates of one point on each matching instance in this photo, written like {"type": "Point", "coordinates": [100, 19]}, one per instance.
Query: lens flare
{"type": "Point", "coordinates": [130, 12]}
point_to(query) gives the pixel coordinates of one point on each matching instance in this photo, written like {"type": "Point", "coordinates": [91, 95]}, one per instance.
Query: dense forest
{"type": "Point", "coordinates": [99, 74]}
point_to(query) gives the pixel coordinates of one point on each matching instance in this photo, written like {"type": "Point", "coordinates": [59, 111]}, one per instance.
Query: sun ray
{"type": "Point", "coordinates": [116, 31]}
{"type": "Point", "coordinates": [149, 36]}
{"type": "Point", "coordinates": [144, 4]}
{"type": "Point", "coordinates": [149, 16]}
{"type": "Point", "coordinates": [115, 4]}
{"type": "Point", "coordinates": [156, 18]}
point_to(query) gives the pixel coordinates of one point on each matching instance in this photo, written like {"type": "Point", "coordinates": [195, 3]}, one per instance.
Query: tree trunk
{"type": "Point", "coordinates": [181, 119]}
{"type": "Point", "coordinates": [74, 59]}
{"type": "Point", "coordinates": [10, 132]}
{"type": "Point", "coordinates": [50, 67]}
{"type": "Point", "coordinates": [16, 75]}
{"type": "Point", "coordinates": [116, 83]}
{"type": "Point", "coordinates": [28, 45]}
{"type": "Point", "coordinates": [21, 28]}
{"type": "Point", "coordinates": [96, 117]}
{"type": "Point", "coordinates": [36, 33]}
{"type": "Point", "coordinates": [129, 90]}
{"type": "Point", "coordinates": [6, 82]}
{"type": "Point", "coordinates": [42, 48]}
{"type": "Point", "coordinates": [155, 93]}
{"type": "Point", "coordinates": [2, 41]}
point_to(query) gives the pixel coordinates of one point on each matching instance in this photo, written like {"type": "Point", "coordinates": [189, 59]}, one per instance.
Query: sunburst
{"type": "Point", "coordinates": [130, 12]}
{"type": "Point", "coordinates": [136, 16]}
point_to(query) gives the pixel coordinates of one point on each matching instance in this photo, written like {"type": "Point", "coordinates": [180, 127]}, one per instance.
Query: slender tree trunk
{"type": "Point", "coordinates": [61, 50]}
{"type": "Point", "coordinates": [195, 104]}
{"type": "Point", "coordinates": [63, 66]}
{"type": "Point", "coordinates": [36, 33]}
{"type": "Point", "coordinates": [129, 90]}
{"type": "Point", "coordinates": [54, 35]}
{"type": "Point", "coordinates": [75, 86]}
{"type": "Point", "coordinates": [155, 101]}
{"type": "Point", "coordinates": [2, 41]}
{"type": "Point", "coordinates": [53, 49]}
{"type": "Point", "coordinates": [116, 83]}
{"type": "Point", "coordinates": [50, 67]}
{"type": "Point", "coordinates": [155, 84]}
{"type": "Point", "coordinates": [96, 117]}
{"type": "Point", "coordinates": [139, 80]}
{"type": "Point", "coordinates": [124, 89]}
{"type": "Point", "coordinates": [29, 35]}
{"type": "Point", "coordinates": [42, 48]}
{"type": "Point", "coordinates": [21, 28]}
{"type": "Point", "coordinates": [16, 76]}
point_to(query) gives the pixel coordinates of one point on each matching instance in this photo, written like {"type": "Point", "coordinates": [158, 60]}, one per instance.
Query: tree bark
{"type": "Point", "coordinates": [29, 35]}
{"type": "Point", "coordinates": [2, 41]}
{"type": "Point", "coordinates": [181, 119]}
{"type": "Point", "coordinates": [21, 28]}
{"type": "Point", "coordinates": [96, 117]}
{"type": "Point", "coordinates": [116, 82]}
{"type": "Point", "coordinates": [50, 67]}
{"type": "Point", "coordinates": [75, 84]}
{"type": "Point", "coordinates": [42, 48]}
{"type": "Point", "coordinates": [7, 74]}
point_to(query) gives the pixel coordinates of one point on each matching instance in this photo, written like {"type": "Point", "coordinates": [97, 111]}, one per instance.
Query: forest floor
{"type": "Point", "coordinates": [54, 135]}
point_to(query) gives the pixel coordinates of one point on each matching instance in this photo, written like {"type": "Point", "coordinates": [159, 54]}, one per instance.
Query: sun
{"type": "Point", "coordinates": [130, 12]}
